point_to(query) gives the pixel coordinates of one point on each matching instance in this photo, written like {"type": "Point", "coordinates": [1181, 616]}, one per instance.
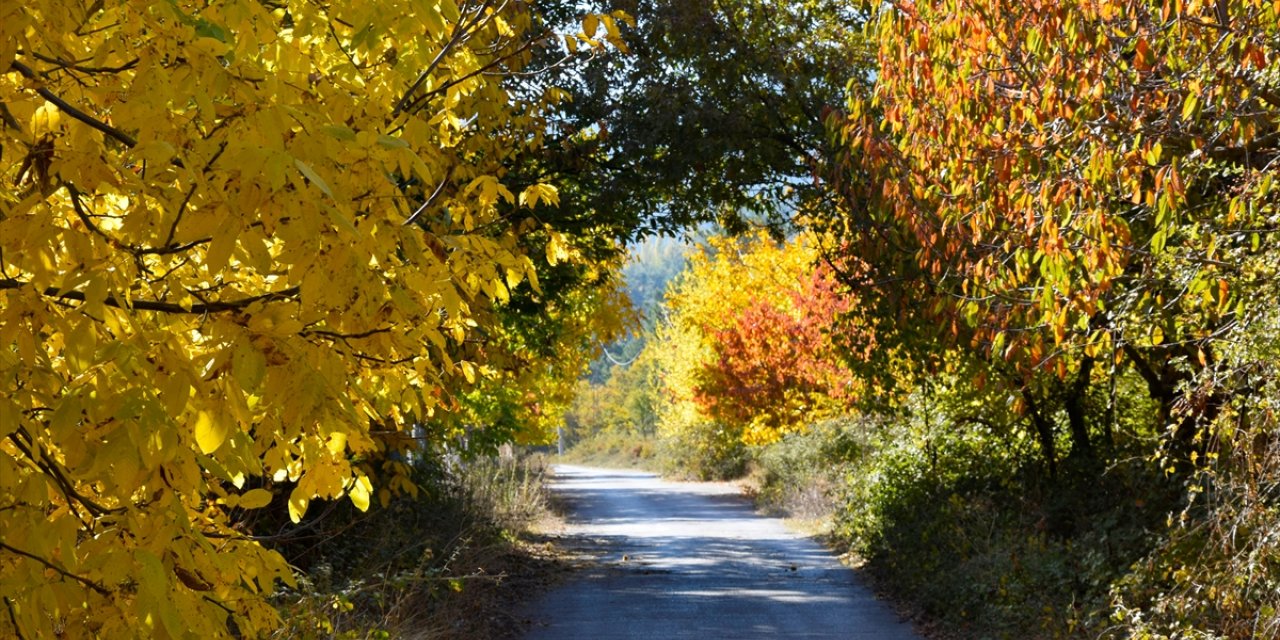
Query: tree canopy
{"type": "Point", "coordinates": [716, 111]}
{"type": "Point", "coordinates": [1062, 184]}
{"type": "Point", "coordinates": [247, 244]}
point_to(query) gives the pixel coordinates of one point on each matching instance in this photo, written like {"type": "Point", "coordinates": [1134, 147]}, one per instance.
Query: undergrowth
{"type": "Point", "coordinates": [799, 476]}
{"type": "Point", "coordinates": [958, 520]}
{"type": "Point", "coordinates": [446, 564]}
{"type": "Point", "coordinates": [615, 450]}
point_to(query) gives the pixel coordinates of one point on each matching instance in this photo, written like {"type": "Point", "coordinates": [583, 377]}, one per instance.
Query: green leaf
{"type": "Point", "coordinates": [313, 177]}
{"type": "Point", "coordinates": [392, 142]}
{"type": "Point", "coordinates": [343, 133]}
{"type": "Point", "coordinates": [1189, 106]}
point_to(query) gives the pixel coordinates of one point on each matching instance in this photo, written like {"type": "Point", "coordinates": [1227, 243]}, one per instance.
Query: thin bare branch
{"type": "Point", "coordinates": [106, 129]}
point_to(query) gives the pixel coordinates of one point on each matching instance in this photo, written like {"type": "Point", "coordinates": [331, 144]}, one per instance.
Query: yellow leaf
{"type": "Point", "coordinates": [337, 443]}
{"type": "Point", "coordinates": [556, 251]}
{"type": "Point", "coordinates": [220, 248]}
{"type": "Point", "coordinates": [619, 14]}
{"type": "Point", "coordinates": [298, 501]}
{"type": "Point", "coordinates": [539, 192]}
{"type": "Point", "coordinates": [248, 365]}
{"type": "Point", "coordinates": [359, 493]}
{"type": "Point", "coordinates": [211, 432]}
{"type": "Point", "coordinates": [611, 27]}
{"type": "Point", "coordinates": [8, 418]}
{"type": "Point", "coordinates": [255, 499]}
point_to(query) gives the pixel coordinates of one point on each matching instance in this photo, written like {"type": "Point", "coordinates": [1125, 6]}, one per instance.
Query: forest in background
{"type": "Point", "coordinates": [991, 287]}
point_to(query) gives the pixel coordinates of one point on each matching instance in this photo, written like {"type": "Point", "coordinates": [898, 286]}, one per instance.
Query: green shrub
{"type": "Point", "coordinates": [1216, 571]}
{"type": "Point", "coordinates": [798, 475]}
{"type": "Point", "coordinates": [705, 451]}
{"type": "Point", "coordinates": [959, 517]}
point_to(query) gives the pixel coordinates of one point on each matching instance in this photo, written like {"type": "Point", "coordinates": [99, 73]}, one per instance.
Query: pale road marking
{"type": "Point", "coordinates": [693, 560]}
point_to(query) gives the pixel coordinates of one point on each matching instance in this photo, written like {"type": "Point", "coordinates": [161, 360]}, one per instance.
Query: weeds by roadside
{"type": "Point", "coordinates": [953, 526]}
{"type": "Point", "coordinates": [448, 564]}
{"type": "Point", "coordinates": [615, 450]}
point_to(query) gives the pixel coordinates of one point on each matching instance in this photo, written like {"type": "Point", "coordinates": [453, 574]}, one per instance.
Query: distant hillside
{"type": "Point", "coordinates": [652, 264]}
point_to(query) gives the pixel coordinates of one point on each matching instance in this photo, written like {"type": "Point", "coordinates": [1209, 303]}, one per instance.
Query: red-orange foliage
{"type": "Point", "coordinates": [774, 362]}
{"type": "Point", "coordinates": [1060, 180]}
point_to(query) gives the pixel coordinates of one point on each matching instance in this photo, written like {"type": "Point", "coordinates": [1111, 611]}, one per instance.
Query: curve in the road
{"type": "Point", "coordinates": [693, 560]}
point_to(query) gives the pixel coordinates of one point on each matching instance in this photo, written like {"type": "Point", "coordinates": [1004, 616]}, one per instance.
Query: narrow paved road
{"type": "Point", "coordinates": [689, 560]}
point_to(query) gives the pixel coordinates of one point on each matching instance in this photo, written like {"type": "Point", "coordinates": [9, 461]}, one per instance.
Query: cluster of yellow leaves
{"type": "Point", "coordinates": [727, 277]}
{"type": "Point", "coordinates": [539, 359]}
{"type": "Point", "coordinates": [242, 244]}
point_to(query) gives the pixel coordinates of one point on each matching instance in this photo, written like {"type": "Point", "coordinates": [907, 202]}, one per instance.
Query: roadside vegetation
{"type": "Point", "coordinates": [1014, 342]}
{"type": "Point", "coordinates": [1017, 342]}
{"type": "Point", "coordinates": [936, 480]}
{"type": "Point", "coordinates": [454, 562]}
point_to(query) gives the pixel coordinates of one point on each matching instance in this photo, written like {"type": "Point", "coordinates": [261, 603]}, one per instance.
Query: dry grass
{"type": "Point", "coordinates": [457, 564]}
{"type": "Point", "coordinates": [615, 451]}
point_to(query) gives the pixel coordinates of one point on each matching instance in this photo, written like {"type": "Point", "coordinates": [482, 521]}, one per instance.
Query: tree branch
{"type": "Point", "coordinates": [333, 335]}
{"type": "Point", "coordinates": [50, 468]}
{"type": "Point", "coordinates": [459, 35]}
{"type": "Point", "coordinates": [13, 619]}
{"type": "Point", "coordinates": [66, 108]}
{"type": "Point", "coordinates": [101, 590]}
{"type": "Point", "coordinates": [434, 194]}
{"type": "Point", "coordinates": [83, 69]}
{"type": "Point", "coordinates": [162, 307]}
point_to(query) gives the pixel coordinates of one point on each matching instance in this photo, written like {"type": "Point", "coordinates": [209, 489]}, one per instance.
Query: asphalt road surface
{"type": "Point", "coordinates": [692, 560]}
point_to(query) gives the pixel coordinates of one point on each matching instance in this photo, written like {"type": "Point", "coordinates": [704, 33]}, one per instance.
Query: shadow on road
{"type": "Point", "coordinates": [686, 560]}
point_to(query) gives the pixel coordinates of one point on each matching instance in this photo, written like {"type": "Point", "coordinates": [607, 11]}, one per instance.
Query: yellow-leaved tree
{"type": "Point", "coordinates": [242, 242]}
{"type": "Point", "coordinates": [537, 358]}
{"type": "Point", "coordinates": [744, 357]}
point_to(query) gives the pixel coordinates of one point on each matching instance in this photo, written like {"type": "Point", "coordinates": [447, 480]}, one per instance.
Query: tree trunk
{"type": "Point", "coordinates": [1044, 432]}
{"type": "Point", "coordinates": [1081, 445]}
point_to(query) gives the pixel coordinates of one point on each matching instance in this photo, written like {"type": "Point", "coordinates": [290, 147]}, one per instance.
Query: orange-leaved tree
{"type": "Point", "coordinates": [1068, 186]}
{"type": "Point", "coordinates": [775, 368]}
{"type": "Point", "coordinates": [746, 351]}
